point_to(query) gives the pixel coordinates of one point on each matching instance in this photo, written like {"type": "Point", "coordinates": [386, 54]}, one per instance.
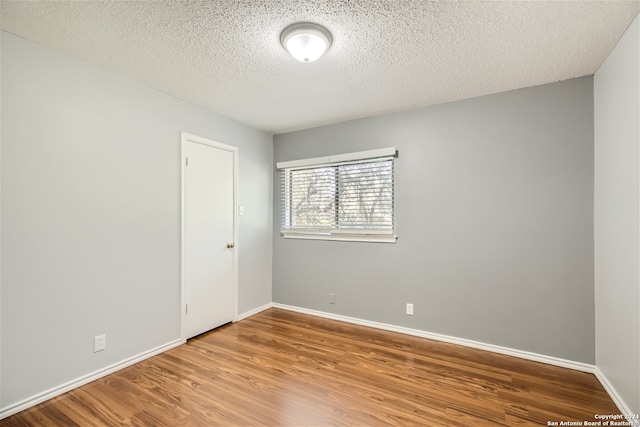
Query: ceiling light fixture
{"type": "Point", "coordinates": [306, 41]}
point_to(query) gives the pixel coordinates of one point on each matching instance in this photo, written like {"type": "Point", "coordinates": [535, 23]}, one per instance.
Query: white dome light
{"type": "Point", "coordinates": [306, 41]}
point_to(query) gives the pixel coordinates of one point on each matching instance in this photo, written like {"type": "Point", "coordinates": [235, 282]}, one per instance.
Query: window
{"type": "Point", "coordinates": [345, 197]}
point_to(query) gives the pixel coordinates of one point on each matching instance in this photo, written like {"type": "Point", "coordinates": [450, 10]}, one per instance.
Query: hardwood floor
{"type": "Point", "coordinates": [280, 368]}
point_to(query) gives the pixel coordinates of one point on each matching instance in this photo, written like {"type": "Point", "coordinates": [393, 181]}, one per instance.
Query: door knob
{"type": "Point", "coordinates": [230, 245]}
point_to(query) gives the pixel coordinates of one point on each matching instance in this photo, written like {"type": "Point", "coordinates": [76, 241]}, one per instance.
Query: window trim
{"type": "Point", "coordinates": [336, 234]}
{"type": "Point", "coordinates": [392, 238]}
{"type": "Point", "coordinates": [340, 158]}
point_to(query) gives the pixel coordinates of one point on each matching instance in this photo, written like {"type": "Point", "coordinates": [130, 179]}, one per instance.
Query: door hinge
{"type": "Point", "coordinates": [187, 164]}
{"type": "Point", "coordinates": [186, 309]}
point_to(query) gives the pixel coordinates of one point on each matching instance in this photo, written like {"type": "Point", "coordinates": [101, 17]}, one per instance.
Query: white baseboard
{"type": "Point", "coordinates": [56, 391]}
{"type": "Point", "coordinates": [622, 406]}
{"type": "Point", "coordinates": [254, 311]}
{"type": "Point", "coordinates": [550, 360]}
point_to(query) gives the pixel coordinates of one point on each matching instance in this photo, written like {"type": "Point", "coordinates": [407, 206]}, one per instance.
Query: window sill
{"type": "Point", "coordinates": [380, 238]}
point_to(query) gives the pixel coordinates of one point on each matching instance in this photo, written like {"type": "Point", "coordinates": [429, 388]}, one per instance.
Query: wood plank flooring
{"type": "Point", "coordinates": [280, 368]}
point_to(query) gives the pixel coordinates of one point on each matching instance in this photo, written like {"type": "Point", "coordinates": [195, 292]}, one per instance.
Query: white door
{"type": "Point", "coordinates": [209, 284]}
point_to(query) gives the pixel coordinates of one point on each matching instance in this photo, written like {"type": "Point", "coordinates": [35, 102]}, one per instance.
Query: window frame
{"type": "Point", "coordinates": [382, 235]}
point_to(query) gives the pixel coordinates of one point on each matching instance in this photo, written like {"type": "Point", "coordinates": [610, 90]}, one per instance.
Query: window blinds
{"type": "Point", "coordinates": [351, 199]}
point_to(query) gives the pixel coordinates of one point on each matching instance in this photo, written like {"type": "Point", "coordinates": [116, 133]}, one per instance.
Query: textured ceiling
{"type": "Point", "coordinates": [388, 55]}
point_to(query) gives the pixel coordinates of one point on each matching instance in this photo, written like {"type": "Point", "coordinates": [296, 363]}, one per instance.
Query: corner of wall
{"type": "Point", "coordinates": [616, 211]}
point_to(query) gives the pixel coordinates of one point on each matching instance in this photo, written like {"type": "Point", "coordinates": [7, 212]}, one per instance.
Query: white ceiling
{"type": "Point", "coordinates": [387, 56]}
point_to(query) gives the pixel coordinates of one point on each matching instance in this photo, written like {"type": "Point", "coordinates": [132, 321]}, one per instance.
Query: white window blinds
{"type": "Point", "coordinates": [346, 197]}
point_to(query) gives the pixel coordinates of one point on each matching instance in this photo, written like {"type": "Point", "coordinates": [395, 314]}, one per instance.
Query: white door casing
{"type": "Point", "coordinates": [209, 224]}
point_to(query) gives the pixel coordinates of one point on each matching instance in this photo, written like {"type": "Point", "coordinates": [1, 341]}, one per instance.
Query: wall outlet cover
{"type": "Point", "coordinates": [99, 343]}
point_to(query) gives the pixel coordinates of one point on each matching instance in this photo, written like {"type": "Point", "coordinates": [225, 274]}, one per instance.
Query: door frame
{"type": "Point", "coordinates": [186, 137]}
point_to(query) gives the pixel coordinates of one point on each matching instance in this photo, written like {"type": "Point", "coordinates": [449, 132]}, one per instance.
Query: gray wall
{"type": "Point", "coordinates": [617, 217]}
{"type": "Point", "coordinates": [494, 202]}
{"type": "Point", "coordinates": [91, 216]}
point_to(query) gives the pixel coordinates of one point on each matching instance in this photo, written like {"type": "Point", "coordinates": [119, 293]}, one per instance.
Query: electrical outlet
{"type": "Point", "coordinates": [332, 298]}
{"type": "Point", "coordinates": [99, 343]}
{"type": "Point", "coordinates": [410, 309]}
